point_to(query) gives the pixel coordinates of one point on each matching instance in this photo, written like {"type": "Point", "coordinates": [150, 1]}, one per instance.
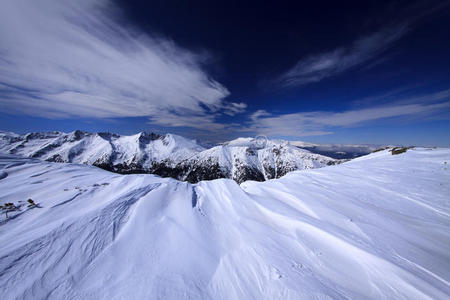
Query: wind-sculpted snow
{"type": "Point", "coordinates": [372, 228]}
{"type": "Point", "coordinates": [165, 155]}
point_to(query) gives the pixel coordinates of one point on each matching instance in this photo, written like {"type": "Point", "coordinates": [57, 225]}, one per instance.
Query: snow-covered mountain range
{"type": "Point", "coordinates": [166, 155]}
{"type": "Point", "coordinates": [376, 227]}
{"type": "Point", "coordinates": [338, 151]}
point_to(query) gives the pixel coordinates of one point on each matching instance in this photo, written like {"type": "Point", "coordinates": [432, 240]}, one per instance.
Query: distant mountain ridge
{"type": "Point", "coordinates": [166, 155]}
{"type": "Point", "coordinates": [338, 151]}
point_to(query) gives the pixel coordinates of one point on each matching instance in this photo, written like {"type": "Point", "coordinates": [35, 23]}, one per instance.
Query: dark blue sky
{"type": "Point", "coordinates": [355, 72]}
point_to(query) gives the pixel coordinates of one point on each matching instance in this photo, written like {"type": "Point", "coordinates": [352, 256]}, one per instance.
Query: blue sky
{"type": "Point", "coordinates": [372, 72]}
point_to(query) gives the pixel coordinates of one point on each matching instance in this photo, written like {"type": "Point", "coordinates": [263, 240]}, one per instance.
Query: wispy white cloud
{"type": "Point", "coordinates": [69, 58]}
{"type": "Point", "coordinates": [200, 121]}
{"type": "Point", "coordinates": [434, 105]}
{"type": "Point", "coordinates": [320, 66]}
{"type": "Point", "coordinates": [397, 96]}
{"type": "Point", "coordinates": [235, 108]}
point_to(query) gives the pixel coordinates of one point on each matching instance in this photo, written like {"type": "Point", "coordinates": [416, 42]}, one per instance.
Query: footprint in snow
{"type": "Point", "coordinates": [301, 269]}
{"type": "Point", "coordinates": [275, 274]}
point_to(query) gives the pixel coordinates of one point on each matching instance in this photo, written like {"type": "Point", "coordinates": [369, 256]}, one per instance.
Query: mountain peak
{"type": "Point", "coordinates": [167, 155]}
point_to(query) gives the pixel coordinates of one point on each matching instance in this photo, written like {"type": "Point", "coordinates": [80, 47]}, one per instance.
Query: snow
{"type": "Point", "coordinates": [375, 227]}
{"type": "Point", "coordinates": [87, 148]}
{"type": "Point", "coordinates": [168, 155]}
{"type": "Point", "coordinates": [340, 151]}
{"type": "Point", "coordinates": [272, 161]}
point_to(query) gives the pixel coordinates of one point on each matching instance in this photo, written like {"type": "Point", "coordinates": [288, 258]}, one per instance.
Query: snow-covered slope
{"type": "Point", "coordinates": [377, 227]}
{"type": "Point", "coordinates": [241, 160]}
{"type": "Point", "coordinates": [139, 152]}
{"type": "Point", "coordinates": [165, 155]}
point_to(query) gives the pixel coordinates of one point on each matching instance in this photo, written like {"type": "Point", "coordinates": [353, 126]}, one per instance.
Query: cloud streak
{"type": "Point", "coordinates": [435, 105]}
{"type": "Point", "coordinates": [328, 64]}
{"type": "Point", "coordinates": [63, 59]}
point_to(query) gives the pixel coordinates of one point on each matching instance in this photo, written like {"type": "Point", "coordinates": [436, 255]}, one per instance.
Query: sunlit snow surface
{"type": "Point", "coordinates": [375, 227]}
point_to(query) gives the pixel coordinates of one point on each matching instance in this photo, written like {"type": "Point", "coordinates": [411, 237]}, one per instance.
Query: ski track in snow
{"type": "Point", "coordinates": [376, 227]}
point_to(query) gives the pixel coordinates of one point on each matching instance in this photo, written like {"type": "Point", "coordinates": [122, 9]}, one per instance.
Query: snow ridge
{"type": "Point", "coordinates": [374, 228]}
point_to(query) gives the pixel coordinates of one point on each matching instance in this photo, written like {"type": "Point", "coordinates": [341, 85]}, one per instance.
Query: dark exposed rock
{"type": "Point", "coordinates": [202, 172]}
{"type": "Point", "coordinates": [56, 158]}
{"type": "Point", "coordinates": [250, 151]}
{"type": "Point", "coordinates": [247, 173]}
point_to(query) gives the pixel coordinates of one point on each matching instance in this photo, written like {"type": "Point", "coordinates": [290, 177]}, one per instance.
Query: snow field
{"type": "Point", "coordinates": [376, 227]}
